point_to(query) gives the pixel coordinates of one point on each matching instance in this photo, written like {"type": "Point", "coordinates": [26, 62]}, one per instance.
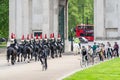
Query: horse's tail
{"type": "Point", "coordinates": [8, 54]}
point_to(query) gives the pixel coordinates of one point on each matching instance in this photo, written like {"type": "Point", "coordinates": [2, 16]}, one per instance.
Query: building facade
{"type": "Point", "coordinates": [106, 20]}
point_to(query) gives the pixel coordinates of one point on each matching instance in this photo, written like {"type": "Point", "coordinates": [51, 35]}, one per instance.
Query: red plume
{"type": "Point", "coordinates": [31, 36]}
{"type": "Point", "coordinates": [40, 36]}
{"type": "Point", "coordinates": [53, 35]}
{"type": "Point", "coordinates": [11, 35]}
{"type": "Point", "coordinates": [14, 36]}
{"type": "Point", "coordinates": [58, 35]}
{"type": "Point", "coordinates": [36, 36]}
{"type": "Point", "coordinates": [22, 37]}
{"type": "Point", "coordinates": [45, 36]}
{"type": "Point", "coordinates": [28, 37]}
{"type": "Point", "coordinates": [50, 35]}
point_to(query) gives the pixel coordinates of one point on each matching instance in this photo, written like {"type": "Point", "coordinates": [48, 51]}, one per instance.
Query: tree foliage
{"type": "Point", "coordinates": [80, 11]}
{"type": "Point", "coordinates": [4, 18]}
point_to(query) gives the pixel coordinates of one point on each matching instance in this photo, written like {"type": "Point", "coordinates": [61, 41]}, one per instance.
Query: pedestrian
{"type": "Point", "coordinates": [94, 48]}
{"type": "Point", "coordinates": [98, 52]}
{"type": "Point", "coordinates": [116, 48]}
{"type": "Point", "coordinates": [102, 52]}
{"type": "Point", "coordinates": [76, 48]}
{"type": "Point", "coordinates": [90, 52]}
{"type": "Point", "coordinates": [84, 53]}
{"type": "Point", "coordinates": [109, 50]}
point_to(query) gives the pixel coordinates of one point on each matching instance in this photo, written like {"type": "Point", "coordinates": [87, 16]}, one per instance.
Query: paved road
{"type": "Point", "coordinates": [57, 68]}
{"type": "Point", "coordinates": [33, 71]}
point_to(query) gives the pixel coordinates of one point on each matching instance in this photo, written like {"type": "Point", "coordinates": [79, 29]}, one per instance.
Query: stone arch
{"type": "Point", "coordinates": [29, 16]}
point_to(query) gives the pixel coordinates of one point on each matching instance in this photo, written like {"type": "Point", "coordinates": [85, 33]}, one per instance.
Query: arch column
{"type": "Point", "coordinates": [12, 16]}
{"type": "Point", "coordinates": [19, 17]}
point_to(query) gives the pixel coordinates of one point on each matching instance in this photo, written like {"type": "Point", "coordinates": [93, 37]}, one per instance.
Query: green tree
{"type": "Point", "coordinates": [79, 11]}
{"type": "Point", "coordinates": [4, 18]}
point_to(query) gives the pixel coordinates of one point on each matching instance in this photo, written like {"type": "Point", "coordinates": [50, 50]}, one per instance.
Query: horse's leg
{"type": "Point", "coordinates": [18, 57]}
{"type": "Point", "coordinates": [52, 53]}
{"type": "Point", "coordinates": [55, 53]}
{"type": "Point", "coordinates": [12, 59]}
{"type": "Point", "coordinates": [31, 55]}
{"type": "Point", "coordinates": [60, 52]}
{"type": "Point", "coordinates": [21, 57]}
{"type": "Point", "coordinates": [45, 62]}
{"type": "Point", "coordinates": [15, 57]}
{"type": "Point", "coordinates": [28, 57]}
{"type": "Point", "coordinates": [38, 56]}
{"type": "Point", "coordinates": [35, 56]}
{"type": "Point", "coordinates": [25, 55]}
{"type": "Point", "coordinates": [48, 53]}
{"type": "Point", "coordinates": [8, 57]}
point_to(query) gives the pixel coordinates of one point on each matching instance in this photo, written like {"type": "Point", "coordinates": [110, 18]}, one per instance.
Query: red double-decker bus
{"type": "Point", "coordinates": [85, 30]}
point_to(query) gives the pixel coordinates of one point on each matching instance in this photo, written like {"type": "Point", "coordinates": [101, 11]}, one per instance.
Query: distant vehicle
{"type": "Point", "coordinates": [2, 40]}
{"type": "Point", "coordinates": [83, 40]}
{"type": "Point", "coordinates": [86, 31]}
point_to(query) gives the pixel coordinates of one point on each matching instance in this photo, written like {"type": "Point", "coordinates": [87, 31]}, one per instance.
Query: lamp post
{"type": "Point", "coordinates": [71, 40]}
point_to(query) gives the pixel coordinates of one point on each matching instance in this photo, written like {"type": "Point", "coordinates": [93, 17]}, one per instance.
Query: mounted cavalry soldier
{"type": "Point", "coordinates": [13, 42]}
{"type": "Point", "coordinates": [32, 42]}
{"type": "Point", "coordinates": [36, 48]}
{"type": "Point", "coordinates": [21, 48]}
{"type": "Point", "coordinates": [27, 49]}
{"type": "Point", "coordinates": [12, 50]}
{"type": "Point", "coordinates": [47, 44]}
{"type": "Point", "coordinates": [59, 45]}
{"type": "Point", "coordinates": [52, 45]}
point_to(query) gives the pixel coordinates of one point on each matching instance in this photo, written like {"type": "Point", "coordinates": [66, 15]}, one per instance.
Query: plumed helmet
{"type": "Point", "coordinates": [22, 39]}
{"type": "Point", "coordinates": [36, 37]}
{"type": "Point", "coordinates": [28, 39]}
{"type": "Point", "coordinates": [59, 36]}
{"type": "Point", "coordinates": [40, 36]}
{"type": "Point", "coordinates": [45, 36]}
{"type": "Point", "coordinates": [31, 36]}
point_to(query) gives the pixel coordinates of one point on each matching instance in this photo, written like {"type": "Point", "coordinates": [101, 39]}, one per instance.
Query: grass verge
{"type": "Point", "coordinates": [3, 44]}
{"type": "Point", "coordinates": [109, 70]}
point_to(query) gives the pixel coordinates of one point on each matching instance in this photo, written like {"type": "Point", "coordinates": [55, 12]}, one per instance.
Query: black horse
{"type": "Point", "coordinates": [36, 51]}
{"type": "Point", "coordinates": [52, 50]}
{"type": "Point", "coordinates": [27, 51]}
{"type": "Point", "coordinates": [11, 54]}
{"type": "Point", "coordinates": [20, 52]}
{"type": "Point", "coordinates": [60, 49]}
